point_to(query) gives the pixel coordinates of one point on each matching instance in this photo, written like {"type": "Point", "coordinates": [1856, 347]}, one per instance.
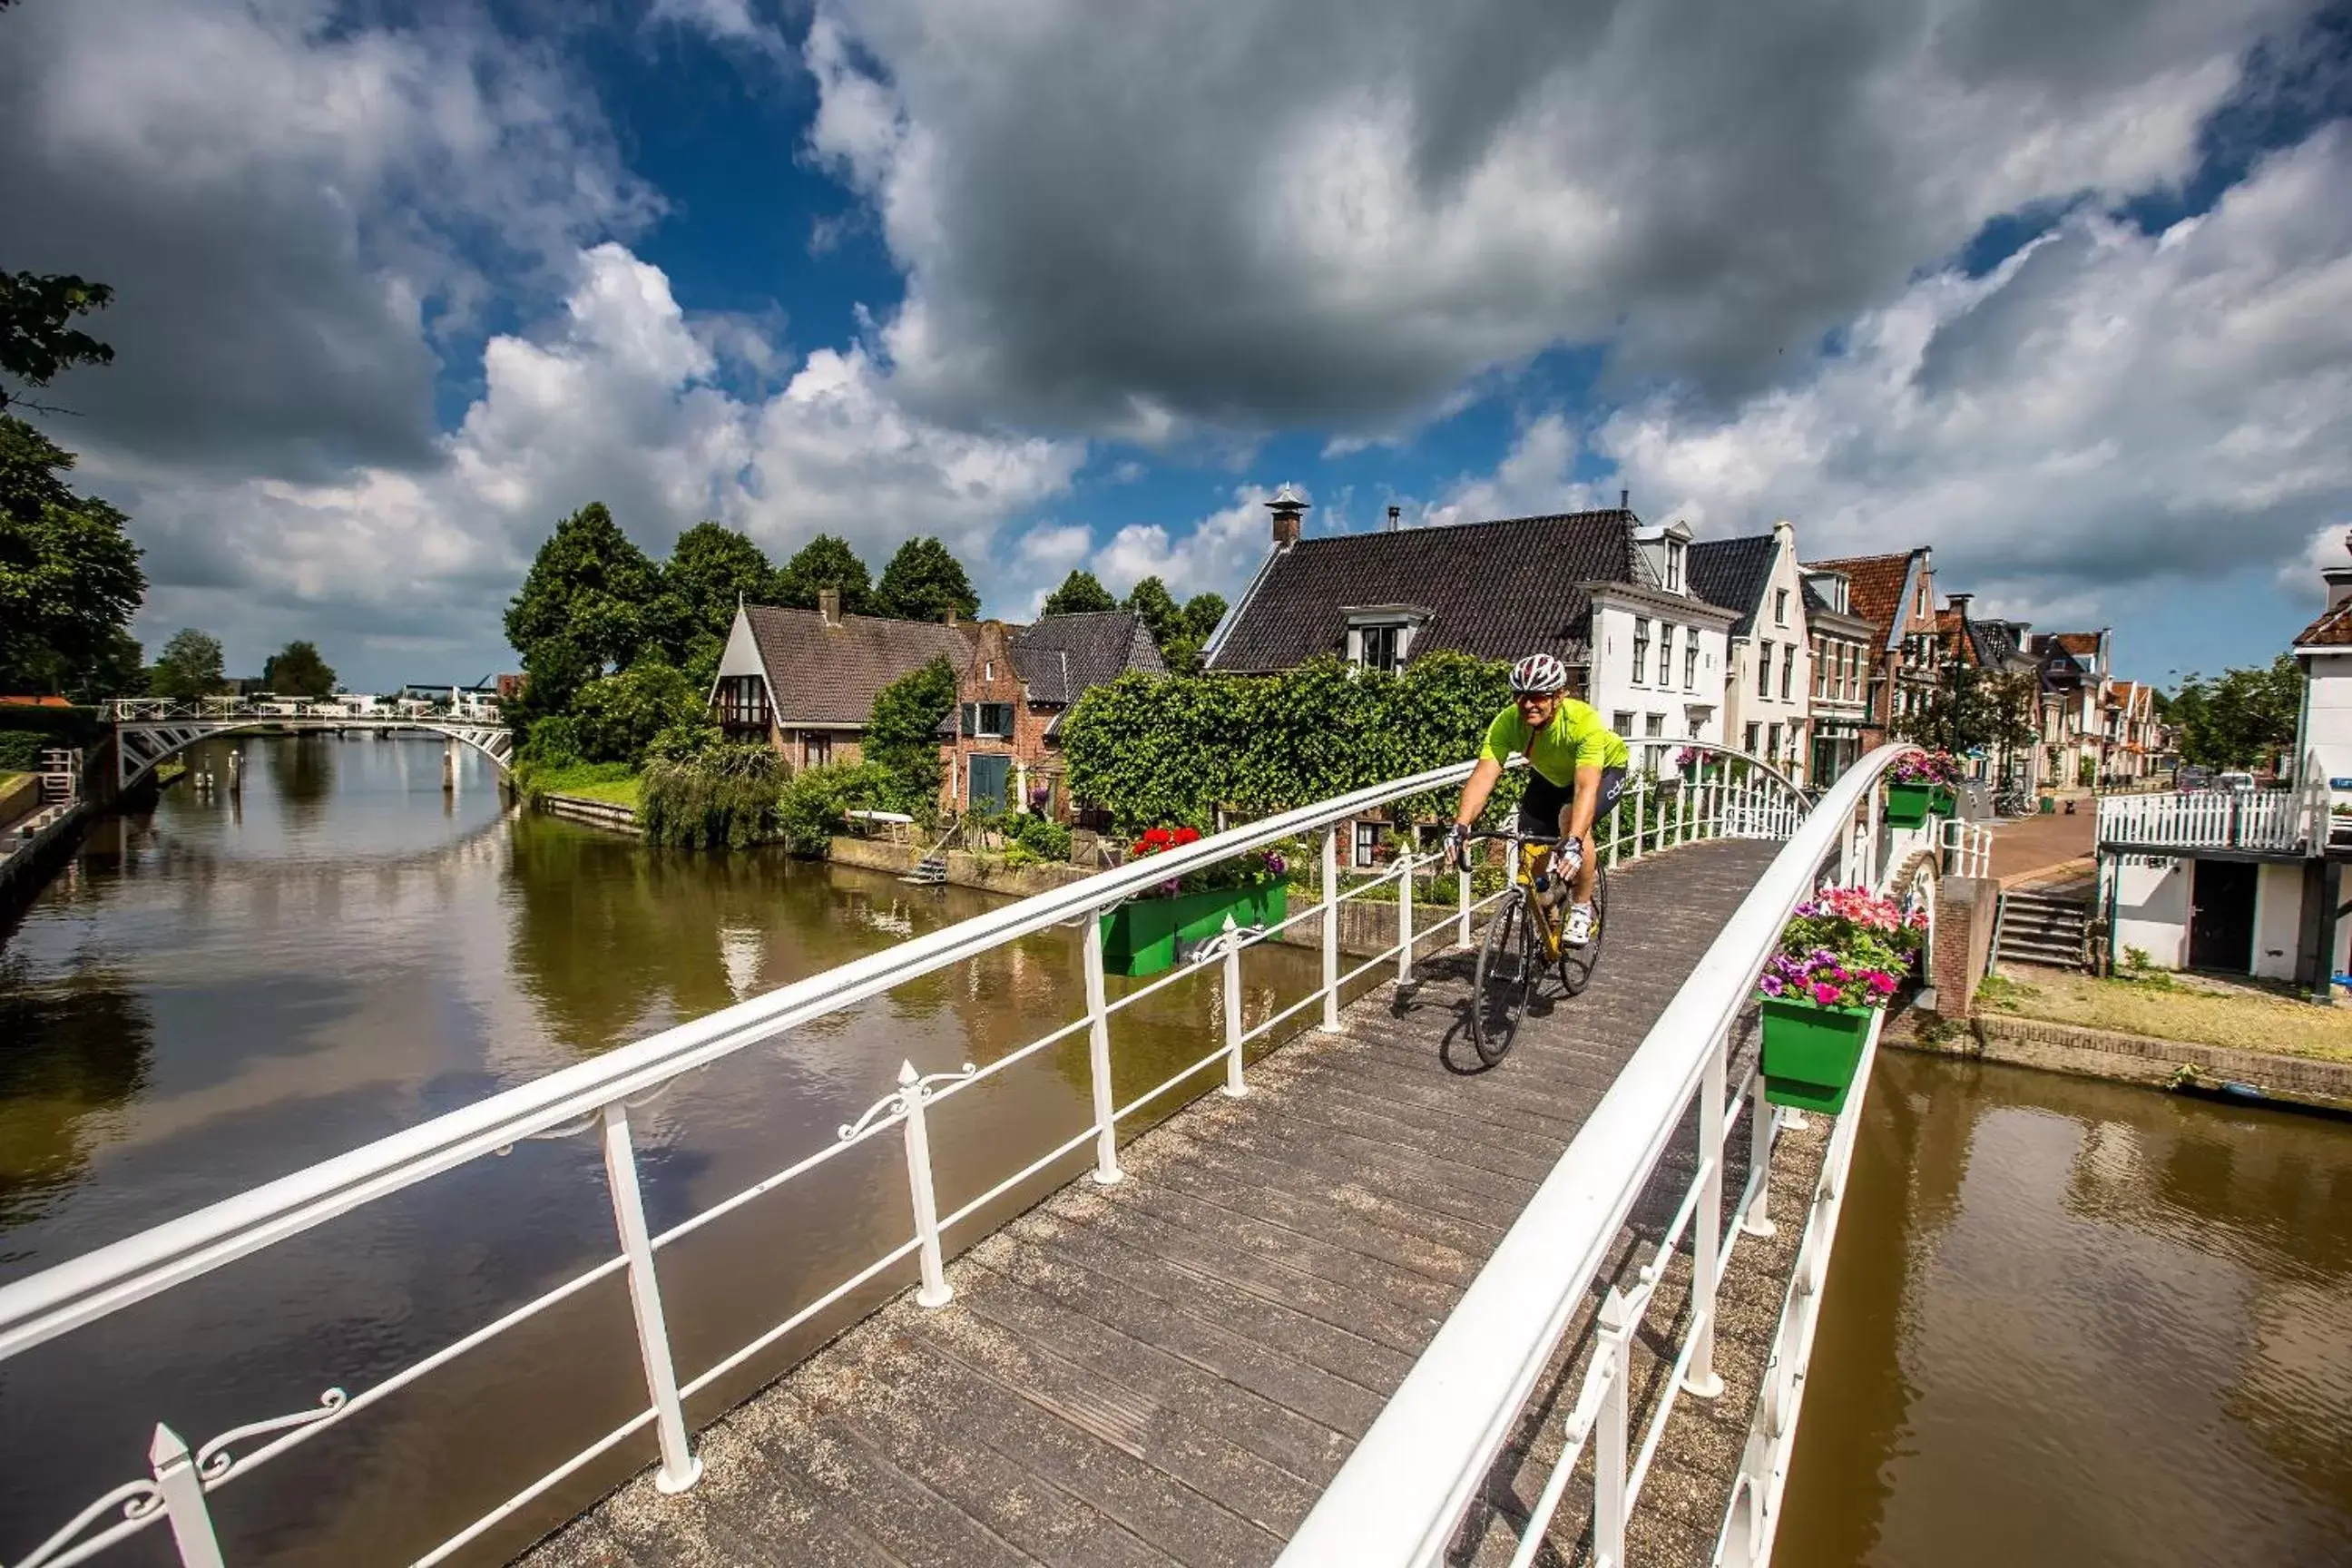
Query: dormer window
{"type": "Point", "coordinates": [1677, 551]}
{"type": "Point", "coordinates": [1779, 606]}
{"type": "Point", "coordinates": [1380, 637]}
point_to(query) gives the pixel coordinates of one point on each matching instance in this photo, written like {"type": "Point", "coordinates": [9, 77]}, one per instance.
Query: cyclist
{"type": "Point", "coordinates": [1575, 772]}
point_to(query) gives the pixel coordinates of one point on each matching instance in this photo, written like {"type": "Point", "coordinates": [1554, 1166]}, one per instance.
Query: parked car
{"type": "Point", "coordinates": [2233, 781]}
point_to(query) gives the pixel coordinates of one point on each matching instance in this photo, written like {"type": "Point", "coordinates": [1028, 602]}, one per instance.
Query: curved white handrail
{"type": "Point", "coordinates": [1404, 1490]}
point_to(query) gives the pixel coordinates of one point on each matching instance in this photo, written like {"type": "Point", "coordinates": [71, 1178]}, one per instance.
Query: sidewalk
{"type": "Point", "coordinates": [2030, 845]}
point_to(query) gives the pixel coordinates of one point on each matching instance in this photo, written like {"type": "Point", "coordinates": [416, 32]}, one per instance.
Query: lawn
{"type": "Point", "coordinates": [613, 782]}
{"type": "Point", "coordinates": [2245, 1016]}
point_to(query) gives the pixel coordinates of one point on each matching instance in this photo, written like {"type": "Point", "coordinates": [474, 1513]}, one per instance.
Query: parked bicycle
{"type": "Point", "coordinates": [1523, 942]}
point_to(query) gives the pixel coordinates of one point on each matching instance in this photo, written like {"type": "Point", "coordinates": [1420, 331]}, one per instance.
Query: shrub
{"type": "Point", "coordinates": [813, 803]}
{"type": "Point", "coordinates": [1039, 837]}
{"type": "Point", "coordinates": [719, 795]}
{"type": "Point", "coordinates": [616, 717]}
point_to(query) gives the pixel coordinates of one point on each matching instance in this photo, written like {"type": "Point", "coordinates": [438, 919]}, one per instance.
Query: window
{"type": "Point", "coordinates": [988, 671]}
{"type": "Point", "coordinates": [1779, 606]}
{"type": "Point", "coordinates": [1674, 549]}
{"type": "Point", "coordinates": [1788, 670]}
{"type": "Point", "coordinates": [1383, 647]}
{"type": "Point", "coordinates": [1665, 653]}
{"type": "Point", "coordinates": [1772, 741]}
{"type": "Point", "coordinates": [1764, 671]}
{"type": "Point", "coordinates": [1690, 662]}
{"type": "Point", "coordinates": [742, 702]}
{"type": "Point", "coordinates": [1368, 843]}
{"type": "Point", "coordinates": [988, 721]}
{"type": "Point", "coordinates": [1655, 726]}
{"type": "Point", "coordinates": [1622, 723]}
{"type": "Point", "coordinates": [1641, 649]}
{"type": "Point", "coordinates": [1748, 744]}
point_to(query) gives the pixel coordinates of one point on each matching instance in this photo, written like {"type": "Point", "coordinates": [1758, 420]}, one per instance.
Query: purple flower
{"type": "Point", "coordinates": [1773, 985]}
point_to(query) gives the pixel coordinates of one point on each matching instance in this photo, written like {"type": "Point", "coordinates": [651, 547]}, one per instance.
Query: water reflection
{"type": "Point", "coordinates": [2072, 1323]}
{"type": "Point", "coordinates": [71, 1054]}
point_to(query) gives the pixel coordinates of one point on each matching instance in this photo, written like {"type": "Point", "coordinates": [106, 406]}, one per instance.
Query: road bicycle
{"type": "Point", "coordinates": [1522, 942]}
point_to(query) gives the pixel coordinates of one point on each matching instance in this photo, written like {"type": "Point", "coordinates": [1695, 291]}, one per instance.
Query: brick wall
{"type": "Point", "coordinates": [1963, 945]}
{"type": "Point", "coordinates": [991, 677]}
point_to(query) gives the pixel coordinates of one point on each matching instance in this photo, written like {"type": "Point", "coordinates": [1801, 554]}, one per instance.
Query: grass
{"type": "Point", "coordinates": [2243, 1015]}
{"type": "Point", "coordinates": [613, 783]}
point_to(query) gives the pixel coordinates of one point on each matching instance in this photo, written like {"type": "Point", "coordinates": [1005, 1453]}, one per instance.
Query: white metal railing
{"type": "Point", "coordinates": [1402, 1494]}
{"type": "Point", "coordinates": [1967, 848]}
{"type": "Point", "coordinates": [2272, 819]}
{"type": "Point", "coordinates": [598, 1095]}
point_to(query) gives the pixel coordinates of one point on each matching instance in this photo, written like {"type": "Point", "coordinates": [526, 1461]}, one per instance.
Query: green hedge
{"type": "Point", "coordinates": [25, 733]}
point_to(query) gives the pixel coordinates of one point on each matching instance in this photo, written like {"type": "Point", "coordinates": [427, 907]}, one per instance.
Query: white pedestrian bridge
{"type": "Point", "coordinates": [148, 729]}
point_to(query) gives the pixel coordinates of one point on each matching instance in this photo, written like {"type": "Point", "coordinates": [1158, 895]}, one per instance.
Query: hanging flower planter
{"type": "Point", "coordinates": [1919, 785]}
{"type": "Point", "coordinates": [1148, 934]}
{"type": "Point", "coordinates": [1838, 965]}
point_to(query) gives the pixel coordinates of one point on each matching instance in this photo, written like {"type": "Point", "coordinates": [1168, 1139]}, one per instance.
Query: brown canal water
{"type": "Point", "coordinates": [230, 989]}
{"type": "Point", "coordinates": [2073, 1323]}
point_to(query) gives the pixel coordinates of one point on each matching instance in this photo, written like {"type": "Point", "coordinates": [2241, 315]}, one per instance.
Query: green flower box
{"type": "Point", "coordinates": [1910, 805]}
{"type": "Point", "coordinates": [1810, 1052]}
{"type": "Point", "coordinates": [1141, 937]}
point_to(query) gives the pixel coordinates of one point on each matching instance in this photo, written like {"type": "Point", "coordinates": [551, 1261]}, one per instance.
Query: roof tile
{"type": "Point", "coordinates": [1734, 574]}
{"type": "Point", "coordinates": [830, 675]}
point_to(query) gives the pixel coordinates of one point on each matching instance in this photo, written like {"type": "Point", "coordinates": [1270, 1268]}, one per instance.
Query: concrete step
{"type": "Point", "coordinates": [2063, 955]}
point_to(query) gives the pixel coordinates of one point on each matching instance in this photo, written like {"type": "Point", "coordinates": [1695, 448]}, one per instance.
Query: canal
{"type": "Point", "coordinates": [232, 988]}
{"type": "Point", "coordinates": [2072, 1323]}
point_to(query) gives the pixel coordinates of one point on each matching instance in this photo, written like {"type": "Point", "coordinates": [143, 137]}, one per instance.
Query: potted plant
{"type": "Point", "coordinates": [1838, 965]}
{"type": "Point", "coordinates": [1142, 935]}
{"type": "Point", "coordinates": [1920, 785]}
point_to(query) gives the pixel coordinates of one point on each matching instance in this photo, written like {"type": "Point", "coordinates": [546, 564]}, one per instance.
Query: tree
{"type": "Point", "coordinates": [2241, 718]}
{"type": "Point", "coordinates": [1150, 600]}
{"type": "Point", "coordinates": [297, 670]}
{"type": "Point", "coordinates": [902, 734]}
{"type": "Point", "coordinates": [586, 607]}
{"type": "Point", "coordinates": [616, 717]}
{"type": "Point", "coordinates": [70, 576]}
{"type": "Point", "coordinates": [1202, 614]}
{"type": "Point", "coordinates": [1081, 593]}
{"type": "Point", "coordinates": [710, 569]}
{"type": "Point", "coordinates": [825, 562]}
{"type": "Point", "coordinates": [189, 666]}
{"type": "Point", "coordinates": [924, 582]}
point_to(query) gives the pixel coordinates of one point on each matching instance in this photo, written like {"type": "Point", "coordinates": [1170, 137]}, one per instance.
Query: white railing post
{"type": "Point", "coordinates": [1758, 1220]}
{"type": "Point", "coordinates": [1706, 1225]}
{"type": "Point", "coordinates": [183, 1499]}
{"type": "Point", "coordinates": [1462, 894]}
{"type": "Point", "coordinates": [1235, 1087]}
{"type": "Point", "coordinates": [1331, 930]}
{"type": "Point", "coordinates": [1106, 1171]}
{"type": "Point", "coordinates": [1404, 920]}
{"type": "Point", "coordinates": [1614, 1340]}
{"type": "Point", "coordinates": [1641, 789]}
{"type": "Point", "coordinates": [935, 1292]}
{"type": "Point", "coordinates": [1870, 850]}
{"type": "Point", "coordinates": [679, 1468]}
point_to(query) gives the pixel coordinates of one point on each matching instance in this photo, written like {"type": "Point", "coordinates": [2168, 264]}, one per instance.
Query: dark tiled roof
{"type": "Point", "coordinates": [1733, 573]}
{"type": "Point", "coordinates": [829, 675]}
{"type": "Point", "coordinates": [1874, 586]}
{"type": "Point", "coordinates": [1495, 590]}
{"type": "Point", "coordinates": [1062, 656]}
{"type": "Point", "coordinates": [2333, 629]}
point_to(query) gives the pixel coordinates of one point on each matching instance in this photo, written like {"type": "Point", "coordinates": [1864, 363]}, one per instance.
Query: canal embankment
{"type": "Point", "coordinates": [2143, 1060]}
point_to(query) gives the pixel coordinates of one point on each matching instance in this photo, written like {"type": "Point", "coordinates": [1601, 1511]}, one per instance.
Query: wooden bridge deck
{"type": "Point", "coordinates": [1171, 1370]}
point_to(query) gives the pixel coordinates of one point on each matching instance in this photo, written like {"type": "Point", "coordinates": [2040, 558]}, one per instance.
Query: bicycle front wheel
{"type": "Point", "coordinates": [1505, 981]}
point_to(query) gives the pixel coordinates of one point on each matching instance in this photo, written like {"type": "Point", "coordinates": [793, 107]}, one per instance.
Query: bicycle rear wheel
{"type": "Point", "coordinates": [1577, 964]}
{"type": "Point", "coordinates": [1505, 981]}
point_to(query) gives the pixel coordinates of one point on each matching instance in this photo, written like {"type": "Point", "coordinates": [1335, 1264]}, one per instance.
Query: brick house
{"type": "Point", "coordinates": [1612, 600]}
{"type": "Point", "coordinates": [2075, 672]}
{"type": "Point", "coordinates": [1969, 641]}
{"type": "Point", "coordinates": [1842, 643]}
{"type": "Point", "coordinates": [1897, 595]}
{"type": "Point", "coordinates": [1014, 687]}
{"type": "Point", "coordinates": [804, 681]}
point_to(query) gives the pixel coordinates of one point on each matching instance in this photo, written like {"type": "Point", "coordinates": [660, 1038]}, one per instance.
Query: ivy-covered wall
{"type": "Point", "coordinates": [1171, 748]}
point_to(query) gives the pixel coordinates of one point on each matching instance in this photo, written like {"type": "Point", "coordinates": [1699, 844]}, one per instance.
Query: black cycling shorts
{"type": "Point", "coordinates": [1539, 808]}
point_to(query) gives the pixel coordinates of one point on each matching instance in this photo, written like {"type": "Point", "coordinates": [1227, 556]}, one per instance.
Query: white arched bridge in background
{"type": "Point", "coordinates": [148, 729]}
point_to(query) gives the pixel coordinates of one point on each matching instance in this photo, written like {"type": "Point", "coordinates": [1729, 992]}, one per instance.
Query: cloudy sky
{"type": "Point", "coordinates": [2062, 287]}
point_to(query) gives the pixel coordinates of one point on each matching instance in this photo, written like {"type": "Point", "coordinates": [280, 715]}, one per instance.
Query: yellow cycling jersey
{"type": "Point", "coordinates": [1576, 737]}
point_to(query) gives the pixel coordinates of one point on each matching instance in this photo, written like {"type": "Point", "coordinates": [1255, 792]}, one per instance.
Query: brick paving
{"type": "Point", "coordinates": [1171, 1370]}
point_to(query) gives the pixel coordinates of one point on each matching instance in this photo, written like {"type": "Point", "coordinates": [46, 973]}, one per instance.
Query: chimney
{"type": "Point", "coordinates": [2339, 578]}
{"type": "Point", "coordinates": [1396, 518]}
{"type": "Point", "coordinates": [1959, 602]}
{"type": "Point", "coordinates": [947, 615]}
{"type": "Point", "coordinates": [1624, 501]}
{"type": "Point", "coordinates": [828, 605]}
{"type": "Point", "coordinates": [1289, 510]}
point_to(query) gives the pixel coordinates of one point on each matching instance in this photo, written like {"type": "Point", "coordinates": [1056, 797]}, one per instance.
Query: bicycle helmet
{"type": "Point", "coordinates": [1539, 673]}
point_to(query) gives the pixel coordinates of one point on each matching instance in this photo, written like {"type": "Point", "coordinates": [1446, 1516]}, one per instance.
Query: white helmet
{"type": "Point", "coordinates": [1540, 673]}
